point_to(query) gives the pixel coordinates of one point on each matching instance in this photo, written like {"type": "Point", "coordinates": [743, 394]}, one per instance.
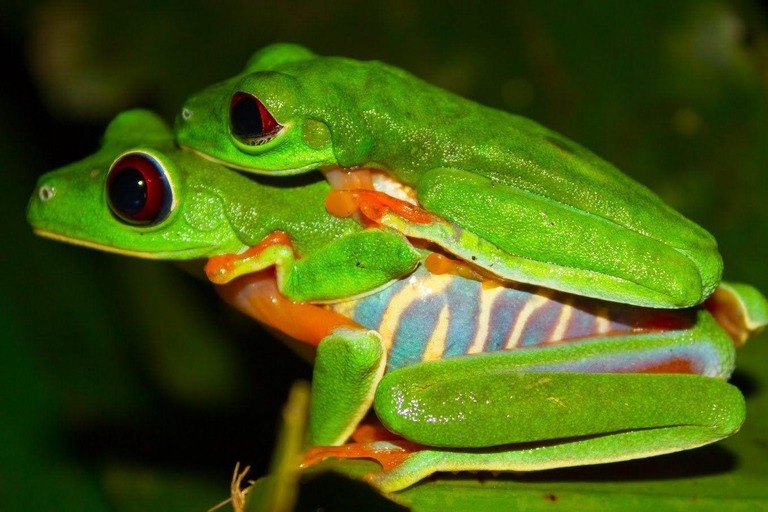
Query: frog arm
{"type": "Point", "coordinates": [352, 265]}
{"type": "Point", "coordinates": [349, 360]}
{"type": "Point", "coordinates": [548, 243]}
{"type": "Point", "coordinates": [349, 366]}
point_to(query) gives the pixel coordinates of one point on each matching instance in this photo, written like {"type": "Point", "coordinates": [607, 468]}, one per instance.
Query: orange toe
{"type": "Point", "coordinates": [389, 455]}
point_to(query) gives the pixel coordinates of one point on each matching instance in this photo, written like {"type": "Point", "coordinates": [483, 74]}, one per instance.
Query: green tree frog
{"type": "Point", "coordinates": [557, 215]}
{"type": "Point", "coordinates": [463, 370]}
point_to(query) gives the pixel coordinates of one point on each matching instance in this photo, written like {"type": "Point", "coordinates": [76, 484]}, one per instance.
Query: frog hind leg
{"type": "Point", "coordinates": [349, 365]}
{"type": "Point", "coordinates": [600, 262]}
{"type": "Point", "coordinates": [552, 420]}
{"type": "Point", "coordinates": [609, 399]}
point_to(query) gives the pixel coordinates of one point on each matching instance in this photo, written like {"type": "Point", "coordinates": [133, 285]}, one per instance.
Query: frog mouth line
{"type": "Point", "coordinates": [106, 248]}
{"type": "Point", "coordinates": [263, 172]}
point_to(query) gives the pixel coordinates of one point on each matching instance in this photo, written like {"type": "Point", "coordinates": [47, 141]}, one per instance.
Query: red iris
{"type": "Point", "coordinates": [137, 190]}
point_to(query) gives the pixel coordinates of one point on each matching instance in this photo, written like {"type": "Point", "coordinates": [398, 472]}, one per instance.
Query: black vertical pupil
{"type": "Point", "coordinates": [128, 191]}
{"type": "Point", "coordinates": [245, 117]}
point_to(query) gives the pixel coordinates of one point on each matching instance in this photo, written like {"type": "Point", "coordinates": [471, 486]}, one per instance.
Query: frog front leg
{"type": "Point", "coordinates": [355, 264]}
{"type": "Point", "coordinates": [268, 283]}
{"type": "Point", "coordinates": [349, 360]}
{"type": "Point", "coordinates": [348, 368]}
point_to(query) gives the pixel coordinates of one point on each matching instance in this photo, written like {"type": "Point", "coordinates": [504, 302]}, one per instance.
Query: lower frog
{"type": "Point", "coordinates": [464, 372]}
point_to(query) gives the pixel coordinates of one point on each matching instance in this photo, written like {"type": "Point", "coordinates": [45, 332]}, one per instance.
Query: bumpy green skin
{"type": "Point", "coordinates": [217, 211]}
{"type": "Point", "coordinates": [531, 192]}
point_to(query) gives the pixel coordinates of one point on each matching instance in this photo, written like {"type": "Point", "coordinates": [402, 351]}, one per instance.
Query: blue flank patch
{"type": "Point", "coordinates": [464, 303]}
{"type": "Point", "coordinates": [582, 323]}
{"type": "Point", "coordinates": [413, 331]}
{"type": "Point", "coordinates": [504, 312]}
{"type": "Point", "coordinates": [370, 310]}
{"type": "Point", "coordinates": [537, 329]}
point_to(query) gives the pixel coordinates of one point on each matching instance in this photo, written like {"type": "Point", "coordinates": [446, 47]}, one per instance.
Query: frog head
{"type": "Point", "coordinates": [285, 114]}
{"type": "Point", "coordinates": [137, 195]}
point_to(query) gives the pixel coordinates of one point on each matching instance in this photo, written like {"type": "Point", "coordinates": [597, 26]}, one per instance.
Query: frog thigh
{"type": "Point", "coordinates": [500, 408]}
{"type": "Point", "coordinates": [552, 244]}
{"type": "Point", "coordinates": [682, 427]}
{"type": "Point", "coordinates": [348, 367]}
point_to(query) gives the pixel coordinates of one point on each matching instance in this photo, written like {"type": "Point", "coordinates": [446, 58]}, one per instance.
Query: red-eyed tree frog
{"type": "Point", "coordinates": [464, 371]}
{"type": "Point", "coordinates": [545, 210]}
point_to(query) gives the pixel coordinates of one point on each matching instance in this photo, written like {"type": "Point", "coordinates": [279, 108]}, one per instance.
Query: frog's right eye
{"type": "Point", "coordinates": [250, 121]}
{"type": "Point", "coordinates": [138, 190]}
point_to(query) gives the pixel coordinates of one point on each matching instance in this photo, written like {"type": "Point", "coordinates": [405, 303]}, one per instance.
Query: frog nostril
{"type": "Point", "coordinates": [186, 113]}
{"type": "Point", "coordinates": [46, 193]}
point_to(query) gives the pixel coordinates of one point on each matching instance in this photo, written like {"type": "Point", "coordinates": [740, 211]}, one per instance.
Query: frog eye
{"type": "Point", "coordinates": [250, 121]}
{"type": "Point", "coordinates": [137, 190]}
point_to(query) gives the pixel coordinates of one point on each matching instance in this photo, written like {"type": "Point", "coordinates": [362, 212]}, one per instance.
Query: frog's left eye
{"type": "Point", "coordinates": [250, 121]}
{"type": "Point", "coordinates": [137, 190]}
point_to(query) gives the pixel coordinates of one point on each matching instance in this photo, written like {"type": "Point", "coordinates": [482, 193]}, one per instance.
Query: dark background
{"type": "Point", "coordinates": [126, 385]}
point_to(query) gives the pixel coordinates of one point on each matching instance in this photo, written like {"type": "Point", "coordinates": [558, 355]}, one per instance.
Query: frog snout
{"type": "Point", "coordinates": [46, 192]}
{"type": "Point", "coordinates": [37, 208]}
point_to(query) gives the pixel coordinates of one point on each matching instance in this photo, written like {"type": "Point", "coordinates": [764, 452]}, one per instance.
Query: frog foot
{"type": "Point", "coordinates": [370, 441]}
{"type": "Point", "coordinates": [223, 268]}
{"type": "Point", "coordinates": [390, 454]}
{"type": "Point", "coordinates": [374, 205]}
{"type": "Point", "coordinates": [740, 309]}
